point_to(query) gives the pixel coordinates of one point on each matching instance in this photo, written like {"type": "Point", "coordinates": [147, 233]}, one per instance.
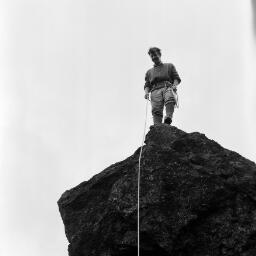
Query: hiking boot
{"type": "Point", "coordinates": [167, 120]}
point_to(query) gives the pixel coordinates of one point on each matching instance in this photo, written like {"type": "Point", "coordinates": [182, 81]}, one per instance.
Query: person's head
{"type": "Point", "coordinates": [155, 54]}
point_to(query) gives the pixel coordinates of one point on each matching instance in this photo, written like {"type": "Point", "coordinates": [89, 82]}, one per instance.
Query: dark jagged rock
{"type": "Point", "coordinates": [197, 199]}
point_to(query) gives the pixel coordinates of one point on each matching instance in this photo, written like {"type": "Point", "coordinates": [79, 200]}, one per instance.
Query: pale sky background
{"type": "Point", "coordinates": [72, 100]}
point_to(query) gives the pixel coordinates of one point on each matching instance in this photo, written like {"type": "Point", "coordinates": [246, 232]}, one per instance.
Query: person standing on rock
{"type": "Point", "coordinates": [161, 81]}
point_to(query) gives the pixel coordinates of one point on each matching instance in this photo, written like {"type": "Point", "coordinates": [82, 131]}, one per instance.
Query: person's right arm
{"type": "Point", "coordinates": [146, 93]}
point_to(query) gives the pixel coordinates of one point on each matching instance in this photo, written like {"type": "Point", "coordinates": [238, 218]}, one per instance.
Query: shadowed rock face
{"type": "Point", "coordinates": [197, 199]}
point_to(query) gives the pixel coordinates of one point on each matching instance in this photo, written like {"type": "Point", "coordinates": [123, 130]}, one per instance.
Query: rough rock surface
{"type": "Point", "coordinates": [197, 199]}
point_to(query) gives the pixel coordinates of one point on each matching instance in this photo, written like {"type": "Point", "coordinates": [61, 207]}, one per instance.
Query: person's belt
{"type": "Point", "coordinates": [161, 84]}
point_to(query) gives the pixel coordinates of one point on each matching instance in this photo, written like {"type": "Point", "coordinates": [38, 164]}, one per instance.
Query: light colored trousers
{"type": "Point", "coordinates": [160, 98]}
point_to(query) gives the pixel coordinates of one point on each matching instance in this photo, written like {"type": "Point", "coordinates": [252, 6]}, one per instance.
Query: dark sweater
{"type": "Point", "coordinates": [159, 73]}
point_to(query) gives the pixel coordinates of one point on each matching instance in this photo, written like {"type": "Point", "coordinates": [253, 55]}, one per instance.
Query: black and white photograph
{"type": "Point", "coordinates": [128, 128]}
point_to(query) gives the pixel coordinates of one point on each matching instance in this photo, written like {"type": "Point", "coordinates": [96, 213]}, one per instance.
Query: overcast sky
{"type": "Point", "coordinates": [72, 101]}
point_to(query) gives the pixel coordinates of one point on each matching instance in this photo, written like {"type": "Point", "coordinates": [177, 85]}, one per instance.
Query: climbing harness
{"type": "Point", "coordinates": [138, 204]}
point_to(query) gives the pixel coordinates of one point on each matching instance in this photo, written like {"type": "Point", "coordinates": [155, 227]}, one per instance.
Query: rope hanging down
{"type": "Point", "coordinates": [138, 204]}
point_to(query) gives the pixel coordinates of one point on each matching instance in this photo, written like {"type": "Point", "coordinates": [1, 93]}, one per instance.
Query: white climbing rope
{"type": "Point", "coordinates": [138, 204]}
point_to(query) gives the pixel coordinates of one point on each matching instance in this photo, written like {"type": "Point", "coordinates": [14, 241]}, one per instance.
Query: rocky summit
{"type": "Point", "coordinates": [197, 199]}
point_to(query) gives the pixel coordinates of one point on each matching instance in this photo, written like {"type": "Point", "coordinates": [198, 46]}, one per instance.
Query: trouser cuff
{"type": "Point", "coordinates": [169, 109]}
{"type": "Point", "coordinates": [157, 119]}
